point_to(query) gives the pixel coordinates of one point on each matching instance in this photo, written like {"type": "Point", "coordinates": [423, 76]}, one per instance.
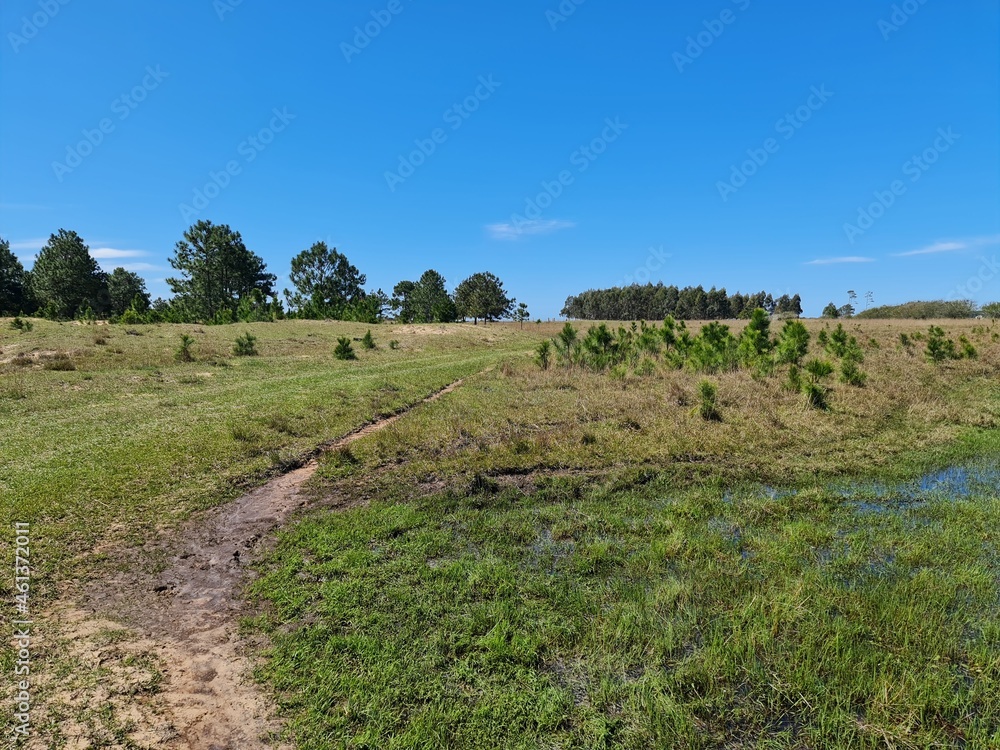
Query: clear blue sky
{"type": "Point", "coordinates": [847, 94]}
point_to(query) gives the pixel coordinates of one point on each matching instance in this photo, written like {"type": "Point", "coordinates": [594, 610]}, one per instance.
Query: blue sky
{"type": "Point", "coordinates": [786, 146]}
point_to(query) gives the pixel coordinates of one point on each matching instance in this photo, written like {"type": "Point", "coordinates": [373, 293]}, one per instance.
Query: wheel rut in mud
{"type": "Point", "coordinates": [186, 616]}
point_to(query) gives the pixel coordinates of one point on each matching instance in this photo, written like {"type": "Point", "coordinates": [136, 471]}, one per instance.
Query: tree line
{"type": "Point", "coordinates": [219, 280]}
{"type": "Point", "coordinates": [657, 302]}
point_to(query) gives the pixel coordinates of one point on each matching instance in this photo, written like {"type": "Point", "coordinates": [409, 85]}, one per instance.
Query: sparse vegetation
{"type": "Point", "coordinates": [20, 324]}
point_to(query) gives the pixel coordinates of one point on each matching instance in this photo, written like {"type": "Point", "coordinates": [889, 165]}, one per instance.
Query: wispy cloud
{"type": "Point", "coordinates": [110, 252]}
{"type": "Point", "coordinates": [844, 259]}
{"type": "Point", "coordinates": [34, 245]}
{"type": "Point", "coordinates": [951, 246]}
{"type": "Point", "coordinates": [527, 228]}
{"type": "Point", "coordinates": [143, 267]}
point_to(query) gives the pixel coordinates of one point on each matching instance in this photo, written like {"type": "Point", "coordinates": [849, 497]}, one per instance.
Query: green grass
{"type": "Point", "coordinates": [556, 558]}
{"type": "Point", "coordinates": [132, 440]}
{"type": "Point", "coordinates": [599, 616]}
{"type": "Point", "coordinates": [565, 559]}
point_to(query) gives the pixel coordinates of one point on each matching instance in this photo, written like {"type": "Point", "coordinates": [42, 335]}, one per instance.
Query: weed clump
{"type": "Point", "coordinates": [22, 325]}
{"type": "Point", "coordinates": [59, 363]}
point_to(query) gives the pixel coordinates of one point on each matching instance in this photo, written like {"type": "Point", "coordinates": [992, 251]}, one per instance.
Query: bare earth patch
{"type": "Point", "coordinates": [157, 659]}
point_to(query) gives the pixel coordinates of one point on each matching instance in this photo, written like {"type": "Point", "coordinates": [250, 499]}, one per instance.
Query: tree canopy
{"type": "Point", "coordinates": [482, 296]}
{"type": "Point", "coordinates": [657, 302]}
{"type": "Point", "coordinates": [962, 308]}
{"type": "Point", "coordinates": [126, 289]}
{"type": "Point", "coordinates": [15, 293]}
{"type": "Point", "coordinates": [66, 280]}
{"type": "Point", "coordinates": [217, 271]}
{"type": "Point", "coordinates": [325, 282]}
{"type": "Point", "coordinates": [424, 301]}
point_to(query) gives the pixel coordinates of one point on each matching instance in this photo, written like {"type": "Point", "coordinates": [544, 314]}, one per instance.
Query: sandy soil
{"type": "Point", "coordinates": [181, 622]}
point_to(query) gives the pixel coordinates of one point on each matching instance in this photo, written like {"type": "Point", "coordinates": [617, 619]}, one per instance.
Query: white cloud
{"type": "Point", "coordinates": [846, 259]}
{"type": "Point", "coordinates": [951, 246]}
{"type": "Point", "coordinates": [937, 247]}
{"type": "Point", "coordinates": [526, 228]}
{"type": "Point", "coordinates": [34, 245]}
{"type": "Point", "coordinates": [110, 252]}
{"type": "Point", "coordinates": [142, 267]}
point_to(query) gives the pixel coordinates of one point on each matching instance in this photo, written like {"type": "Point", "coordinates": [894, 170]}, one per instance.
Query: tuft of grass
{"type": "Point", "coordinates": [60, 363]}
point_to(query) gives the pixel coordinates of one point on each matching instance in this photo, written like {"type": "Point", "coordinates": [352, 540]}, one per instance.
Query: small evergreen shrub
{"type": "Point", "coordinates": [344, 349]}
{"type": "Point", "coordinates": [543, 355]}
{"type": "Point", "coordinates": [183, 353]}
{"type": "Point", "coordinates": [939, 347]}
{"type": "Point", "coordinates": [708, 397]}
{"type": "Point", "coordinates": [245, 345]}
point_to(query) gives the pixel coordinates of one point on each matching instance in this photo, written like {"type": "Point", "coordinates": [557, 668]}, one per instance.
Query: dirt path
{"type": "Point", "coordinates": [185, 617]}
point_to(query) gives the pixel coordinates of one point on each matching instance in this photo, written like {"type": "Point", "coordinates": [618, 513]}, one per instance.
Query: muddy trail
{"type": "Point", "coordinates": [186, 616]}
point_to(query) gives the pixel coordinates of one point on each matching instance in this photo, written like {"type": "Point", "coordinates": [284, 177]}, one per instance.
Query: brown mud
{"type": "Point", "coordinates": [181, 612]}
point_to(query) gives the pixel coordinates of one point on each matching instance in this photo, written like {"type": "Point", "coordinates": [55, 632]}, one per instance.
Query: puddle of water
{"type": "Point", "coordinates": [955, 482]}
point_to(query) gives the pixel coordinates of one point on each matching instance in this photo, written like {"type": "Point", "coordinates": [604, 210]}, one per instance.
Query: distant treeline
{"type": "Point", "coordinates": [651, 302]}
{"type": "Point", "coordinates": [219, 280]}
{"type": "Point", "coordinates": [932, 309]}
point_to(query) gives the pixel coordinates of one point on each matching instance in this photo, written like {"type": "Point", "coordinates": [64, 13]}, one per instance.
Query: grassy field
{"type": "Point", "coordinates": [557, 558]}
{"type": "Point", "coordinates": [107, 436]}
{"type": "Point", "coordinates": [564, 559]}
